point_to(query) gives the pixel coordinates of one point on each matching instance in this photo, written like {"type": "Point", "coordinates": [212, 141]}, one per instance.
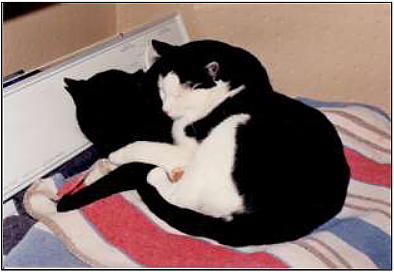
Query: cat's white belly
{"type": "Point", "coordinates": [207, 185]}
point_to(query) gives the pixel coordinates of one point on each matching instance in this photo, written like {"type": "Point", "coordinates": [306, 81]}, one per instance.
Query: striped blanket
{"type": "Point", "coordinates": [120, 231]}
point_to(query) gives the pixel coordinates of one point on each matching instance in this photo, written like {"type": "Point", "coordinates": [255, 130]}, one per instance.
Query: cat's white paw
{"type": "Point", "coordinates": [130, 153]}
{"type": "Point", "coordinates": [101, 168]}
{"type": "Point", "coordinates": [238, 119]}
{"type": "Point", "coordinates": [118, 157]}
{"type": "Point", "coordinates": [242, 118]}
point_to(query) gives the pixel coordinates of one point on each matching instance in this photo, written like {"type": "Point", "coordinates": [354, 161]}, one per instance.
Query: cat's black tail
{"type": "Point", "coordinates": [123, 178]}
{"type": "Point", "coordinates": [254, 228]}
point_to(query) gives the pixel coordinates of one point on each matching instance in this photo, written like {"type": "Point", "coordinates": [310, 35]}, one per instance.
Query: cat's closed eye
{"type": "Point", "coordinates": [161, 93]}
{"type": "Point", "coordinates": [192, 85]}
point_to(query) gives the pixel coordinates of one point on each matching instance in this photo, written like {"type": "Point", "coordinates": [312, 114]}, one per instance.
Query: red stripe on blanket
{"type": "Point", "coordinates": [367, 170]}
{"type": "Point", "coordinates": [127, 228]}
{"type": "Point", "coordinates": [124, 226]}
{"type": "Point", "coordinates": [74, 184]}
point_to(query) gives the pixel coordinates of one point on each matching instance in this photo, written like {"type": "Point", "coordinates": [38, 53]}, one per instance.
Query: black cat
{"type": "Point", "coordinates": [114, 109]}
{"type": "Point", "coordinates": [265, 168]}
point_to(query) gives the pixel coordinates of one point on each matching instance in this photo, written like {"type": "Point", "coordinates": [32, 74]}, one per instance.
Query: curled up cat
{"type": "Point", "coordinates": [257, 167]}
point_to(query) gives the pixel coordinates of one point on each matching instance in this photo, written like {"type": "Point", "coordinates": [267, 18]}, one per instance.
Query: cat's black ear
{"type": "Point", "coordinates": [73, 86]}
{"type": "Point", "coordinates": [213, 69]}
{"type": "Point", "coordinates": [72, 83]}
{"type": "Point", "coordinates": [163, 48]}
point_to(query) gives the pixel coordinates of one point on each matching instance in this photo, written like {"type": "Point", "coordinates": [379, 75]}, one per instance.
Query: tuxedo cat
{"type": "Point", "coordinates": [259, 167]}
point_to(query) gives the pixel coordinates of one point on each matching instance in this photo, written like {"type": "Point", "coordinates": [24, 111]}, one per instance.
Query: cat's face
{"type": "Point", "coordinates": [189, 86]}
{"type": "Point", "coordinates": [188, 99]}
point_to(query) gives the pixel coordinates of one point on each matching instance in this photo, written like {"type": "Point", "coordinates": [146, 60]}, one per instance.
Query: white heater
{"type": "Point", "coordinates": [40, 130]}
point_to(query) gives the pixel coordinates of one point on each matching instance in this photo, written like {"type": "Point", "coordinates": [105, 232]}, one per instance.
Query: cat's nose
{"type": "Point", "coordinates": [165, 110]}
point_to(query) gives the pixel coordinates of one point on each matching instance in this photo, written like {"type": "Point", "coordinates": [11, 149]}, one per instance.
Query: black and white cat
{"type": "Point", "coordinates": [259, 167]}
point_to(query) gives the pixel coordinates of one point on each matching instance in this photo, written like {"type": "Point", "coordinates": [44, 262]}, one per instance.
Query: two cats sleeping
{"type": "Point", "coordinates": [249, 165]}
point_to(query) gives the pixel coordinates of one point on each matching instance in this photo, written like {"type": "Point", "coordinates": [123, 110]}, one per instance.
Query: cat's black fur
{"type": "Point", "coordinates": [114, 108]}
{"type": "Point", "coordinates": [289, 167]}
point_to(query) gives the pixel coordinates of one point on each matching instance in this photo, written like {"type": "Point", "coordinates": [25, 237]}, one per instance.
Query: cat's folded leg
{"type": "Point", "coordinates": [159, 179]}
{"type": "Point", "coordinates": [164, 155]}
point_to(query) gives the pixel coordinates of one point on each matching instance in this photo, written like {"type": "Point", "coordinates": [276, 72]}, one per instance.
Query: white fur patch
{"type": "Point", "coordinates": [165, 155]}
{"type": "Point", "coordinates": [207, 185]}
{"type": "Point", "coordinates": [181, 101]}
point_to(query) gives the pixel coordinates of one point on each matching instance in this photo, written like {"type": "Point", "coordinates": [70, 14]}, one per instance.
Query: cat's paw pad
{"type": "Point", "coordinates": [175, 174]}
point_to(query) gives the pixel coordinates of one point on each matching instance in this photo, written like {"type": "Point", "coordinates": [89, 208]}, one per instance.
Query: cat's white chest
{"type": "Point", "coordinates": [207, 185]}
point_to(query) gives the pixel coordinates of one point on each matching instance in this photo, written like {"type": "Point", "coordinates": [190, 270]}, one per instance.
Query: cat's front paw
{"type": "Point", "coordinates": [134, 152]}
{"type": "Point", "coordinates": [124, 155]}
{"type": "Point", "coordinates": [117, 157]}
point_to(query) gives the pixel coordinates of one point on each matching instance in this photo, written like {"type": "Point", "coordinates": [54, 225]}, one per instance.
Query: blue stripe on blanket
{"type": "Point", "coordinates": [364, 237]}
{"type": "Point", "coordinates": [77, 164]}
{"type": "Point", "coordinates": [317, 103]}
{"type": "Point", "coordinates": [59, 180]}
{"type": "Point", "coordinates": [41, 249]}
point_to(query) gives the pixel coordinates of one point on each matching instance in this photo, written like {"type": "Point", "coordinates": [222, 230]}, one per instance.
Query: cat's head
{"type": "Point", "coordinates": [103, 86]}
{"type": "Point", "coordinates": [196, 77]}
